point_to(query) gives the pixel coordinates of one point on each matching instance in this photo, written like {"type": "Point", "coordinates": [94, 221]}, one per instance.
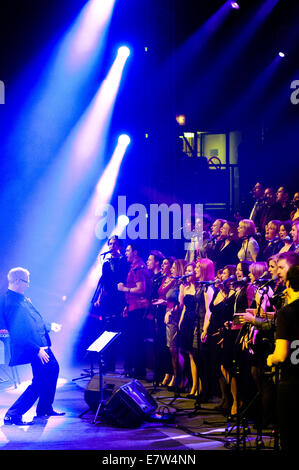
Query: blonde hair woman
{"type": "Point", "coordinates": [250, 247]}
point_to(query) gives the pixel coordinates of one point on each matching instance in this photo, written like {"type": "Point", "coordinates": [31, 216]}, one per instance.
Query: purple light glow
{"type": "Point", "coordinates": [235, 5]}
{"type": "Point", "coordinates": [281, 54]}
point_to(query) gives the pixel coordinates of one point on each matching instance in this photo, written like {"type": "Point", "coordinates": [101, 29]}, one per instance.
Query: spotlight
{"type": "Point", "coordinates": [123, 220]}
{"type": "Point", "coordinates": [124, 51]}
{"type": "Point", "coordinates": [124, 140]}
{"type": "Point", "coordinates": [181, 119]}
{"type": "Point", "coordinates": [235, 5]}
{"type": "Point", "coordinates": [281, 54]}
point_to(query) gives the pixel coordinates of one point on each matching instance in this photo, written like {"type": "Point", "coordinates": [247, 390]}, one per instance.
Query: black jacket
{"type": "Point", "coordinates": [27, 330]}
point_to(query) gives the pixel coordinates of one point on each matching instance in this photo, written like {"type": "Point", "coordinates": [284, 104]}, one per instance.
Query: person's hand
{"type": "Point", "coordinates": [269, 360]}
{"type": "Point", "coordinates": [246, 318]}
{"type": "Point", "coordinates": [159, 302]}
{"type": "Point", "coordinates": [124, 313]}
{"type": "Point", "coordinates": [203, 337]}
{"type": "Point", "coordinates": [43, 355]}
{"type": "Point", "coordinates": [56, 327]}
{"type": "Point", "coordinates": [121, 287]}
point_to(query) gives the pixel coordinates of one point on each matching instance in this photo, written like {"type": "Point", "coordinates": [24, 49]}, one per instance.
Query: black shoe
{"type": "Point", "coordinates": [51, 413]}
{"type": "Point", "coordinates": [56, 413]}
{"type": "Point", "coordinates": [197, 405]}
{"type": "Point", "coordinates": [17, 420]}
{"type": "Point", "coordinates": [190, 396]}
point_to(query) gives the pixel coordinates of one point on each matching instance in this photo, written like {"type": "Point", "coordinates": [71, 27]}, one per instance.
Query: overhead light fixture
{"type": "Point", "coordinates": [181, 119]}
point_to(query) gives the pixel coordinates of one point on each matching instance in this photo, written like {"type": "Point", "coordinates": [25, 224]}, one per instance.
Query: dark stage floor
{"type": "Point", "coordinates": [186, 430]}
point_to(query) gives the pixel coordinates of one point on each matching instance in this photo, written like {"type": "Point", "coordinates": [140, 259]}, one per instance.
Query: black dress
{"type": "Point", "coordinates": [218, 317]}
{"type": "Point", "coordinates": [228, 254]}
{"type": "Point", "coordinates": [188, 324]}
{"type": "Point", "coordinates": [232, 350]}
{"type": "Point", "coordinates": [228, 335]}
{"type": "Point", "coordinates": [200, 312]}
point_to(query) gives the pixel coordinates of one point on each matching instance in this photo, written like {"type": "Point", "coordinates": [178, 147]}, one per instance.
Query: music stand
{"type": "Point", "coordinates": [99, 346]}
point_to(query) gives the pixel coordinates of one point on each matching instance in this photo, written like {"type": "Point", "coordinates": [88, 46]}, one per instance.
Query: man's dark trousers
{"type": "Point", "coordinates": [43, 388]}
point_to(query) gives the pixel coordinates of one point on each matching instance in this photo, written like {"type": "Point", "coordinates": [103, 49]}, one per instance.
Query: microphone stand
{"type": "Point", "coordinates": [239, 416]}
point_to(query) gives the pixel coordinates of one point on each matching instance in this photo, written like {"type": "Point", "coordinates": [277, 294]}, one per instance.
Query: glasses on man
{"type": "Point", "coordinates": [24, 280]}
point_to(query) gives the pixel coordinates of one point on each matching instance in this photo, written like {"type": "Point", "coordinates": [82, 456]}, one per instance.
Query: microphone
{"type": "Point", "coordinates": [246, 237]}
{"type": "Point", "coordinates": [286, 239]}
{"type": "Point", "coordinates": [264, 277]}
{"type": "Point", "coordinates": [106, 253]}
{"type": "Point", "coordinates": [273, 279]}
{"type": "Point", "coordinates": [244, 279]}
{"type": "Point", "coordinates": [181, 277]}
{"type": "Point", "coordinates": [208, 283]}
{"type": "Point", "coordinates": [230, 278]}
{"type": "Point", "coordinates": [275, 239]}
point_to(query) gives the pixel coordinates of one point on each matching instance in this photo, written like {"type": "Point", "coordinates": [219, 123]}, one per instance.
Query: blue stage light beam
{"type": "Point", "coordinates": [57, 92]}
{"type": "Point", "coordinates": [253, 94]}
{"type": "Point", "coordinates": [71, 262]}
{"type": "Point", "coordinates": [196, 44]}
{"type": "Point", "coordinates": [87, 36]}
{"type": "Point", "coordinates": [59, 196]}
{"type": "Point", "coordinates": [76, 308]}
{"type": "Point", "coordinates": [231, 52]}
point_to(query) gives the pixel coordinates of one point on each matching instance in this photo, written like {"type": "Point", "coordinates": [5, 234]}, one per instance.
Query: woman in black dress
{"type": "Point", "coordinates": [205, 272]}
{"type": "Point", "coordinates": [221, 309]}
{"type": "Point", "coordinates": [162, 354]}
{"type": "Point", "coordinates": [234, 357]}
{"type": "Point", "coordinates": [230, 245]}
{"type": "Point", "coordinates": [186, 322]}
{"type": "Point", "coordinates": [171, 321]}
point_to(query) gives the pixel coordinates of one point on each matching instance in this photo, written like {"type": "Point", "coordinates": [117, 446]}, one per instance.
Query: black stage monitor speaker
{"type": "Point", "coordinates": [110, 384]}
{"type": "Point", "coordinates": [130, 405]}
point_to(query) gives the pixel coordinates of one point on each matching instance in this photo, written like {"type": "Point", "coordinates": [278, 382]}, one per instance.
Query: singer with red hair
{"type": "Point", "coordinates": [205, 274]}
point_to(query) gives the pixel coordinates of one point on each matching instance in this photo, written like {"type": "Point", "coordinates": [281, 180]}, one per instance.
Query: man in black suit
{"type": "Point", "coordinates": [281, 209]}
{"type": "Point", "coordinates": [256, 212]}
{"type": "Point", "coordinates": [29, 343]}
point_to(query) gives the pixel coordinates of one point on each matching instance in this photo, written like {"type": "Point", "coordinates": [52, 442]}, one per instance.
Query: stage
{"type": "Point", "coordinates": [183, 430]}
